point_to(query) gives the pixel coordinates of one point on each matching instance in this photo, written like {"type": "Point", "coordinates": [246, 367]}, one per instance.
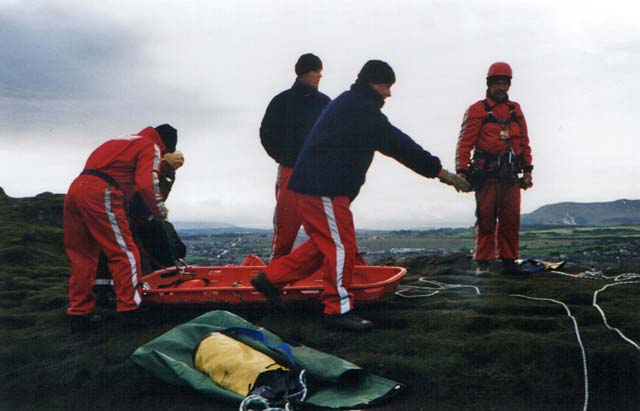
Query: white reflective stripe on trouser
{"type": "Point", "coordinates": [345, 305]}
{"type": "Point", "coordinates": [123, 245]}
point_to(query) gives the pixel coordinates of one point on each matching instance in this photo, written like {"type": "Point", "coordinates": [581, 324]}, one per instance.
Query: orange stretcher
{"type": "Point", "coordinates": [230, 284]}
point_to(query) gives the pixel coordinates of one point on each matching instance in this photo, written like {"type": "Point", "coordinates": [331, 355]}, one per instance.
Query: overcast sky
{"type": "Point", "coordinates": [74, 74]}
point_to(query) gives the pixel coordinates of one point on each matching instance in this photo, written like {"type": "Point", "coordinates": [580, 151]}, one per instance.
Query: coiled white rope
{"type": "Point", "coordinates": [575, 325]}
{"type": "Point", "coordinates": [406, 291]}
{"type": "Point", "coordinates": [604, 317]}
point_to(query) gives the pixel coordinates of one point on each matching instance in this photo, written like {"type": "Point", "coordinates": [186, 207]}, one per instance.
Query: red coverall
{"type": "Point", "coordinates": [95, 218]}
{"type": "Point", "coordinates": [329, 223]}
{"type": "Point", "coordinates": [498, 201]}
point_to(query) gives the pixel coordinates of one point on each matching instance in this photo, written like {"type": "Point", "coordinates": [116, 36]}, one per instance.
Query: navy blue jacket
{"type": "Point", "coordinates": [339, 150]}
{"type": "Point", "coordinates": [288, 120]}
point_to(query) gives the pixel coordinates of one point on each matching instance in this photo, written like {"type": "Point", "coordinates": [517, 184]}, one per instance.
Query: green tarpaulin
{"type": "Point", "coordinates": [345, 385]}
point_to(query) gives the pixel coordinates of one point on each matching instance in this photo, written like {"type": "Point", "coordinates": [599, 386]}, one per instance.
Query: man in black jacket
{"type": "Point", "coordinates": [327, 177]}
{"type": "Point", "coordinates": [284, 129]}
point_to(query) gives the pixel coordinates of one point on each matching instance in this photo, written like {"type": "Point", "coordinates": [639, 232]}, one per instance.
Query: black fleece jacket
{"type": "Point", "coordinates": [338, 152]}
{"type": "Point", "coordinates": [288, 120]}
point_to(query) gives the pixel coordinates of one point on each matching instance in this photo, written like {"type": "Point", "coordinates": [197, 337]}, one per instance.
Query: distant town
{"type": "Point", "coordinates": [597, 247]}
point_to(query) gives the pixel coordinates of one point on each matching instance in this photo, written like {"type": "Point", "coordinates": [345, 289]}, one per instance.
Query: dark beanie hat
{"type": "Point", "coordinates": [377, 72]}
{"type": "Point", "coordinates": [308, 62]}
{"type": "Point", "coordinates": [169, 136]}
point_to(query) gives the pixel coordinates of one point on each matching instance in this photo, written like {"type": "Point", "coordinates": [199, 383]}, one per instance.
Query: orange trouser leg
{"type": "Point", "coordinates": [498, 220]}
{"type": "Point", "coordinates": [102, 211]}
{"type": "Point", "coordinates": [485, 228]}
{"type": "Point", "coordinates": [82, 250]}
{"type": "Point", "coordinates": [332, 246]}
{"type": "Point", "coordinates": [508, 243]}
{"type": "Point", "coordinates": [286, 221]}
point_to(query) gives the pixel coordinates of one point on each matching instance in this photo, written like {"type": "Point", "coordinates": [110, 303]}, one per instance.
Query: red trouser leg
{"type": "Point", "coordinates": [329, 223]}
{"type": "Point", "coordinates": [509, 221]}
{"type": "Point", "coordinates": [102, 211]}
{"type": "Point", "coordinates": [303, 261]}
{"type": "Point", "coordinates": [286, 222]}
{"type": "Point", "coordinates": [83, 251]}
{"type": "Point", "coordinates": [485, 229]}
{"type": "Point", "coordinates": [498, 220]}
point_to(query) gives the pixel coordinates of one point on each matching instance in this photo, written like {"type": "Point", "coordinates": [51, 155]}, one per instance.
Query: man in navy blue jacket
{"type": "Point", "coordinates": [327, 177]}
{"type": "Point", "coordinates": [284, 129]}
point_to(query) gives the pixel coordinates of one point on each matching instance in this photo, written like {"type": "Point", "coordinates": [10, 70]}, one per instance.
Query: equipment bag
{"type": "Point", "coordinates": [337, 384]}
{"type": "Point", "coordinates": [267, 379]}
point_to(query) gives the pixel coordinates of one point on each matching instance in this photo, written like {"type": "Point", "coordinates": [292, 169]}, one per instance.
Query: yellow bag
{"type": "Point", "coordinates": [218, 356]}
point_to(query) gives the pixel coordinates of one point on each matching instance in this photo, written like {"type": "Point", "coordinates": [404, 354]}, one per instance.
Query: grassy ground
{"type": "Point", "coordinates": [454, 350]}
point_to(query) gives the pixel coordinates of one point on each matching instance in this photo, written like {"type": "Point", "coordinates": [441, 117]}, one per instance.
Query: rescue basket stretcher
{"type": "Point", "coordinates": [230, 284]}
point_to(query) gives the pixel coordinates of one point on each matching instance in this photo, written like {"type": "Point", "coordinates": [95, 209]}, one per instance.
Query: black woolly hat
{"type": "Point", "coordinates": [377, 72]}
{"type": "Point", "coordinates": [169, 136]}
{"type": "Point", "coordinates": [308, 62]}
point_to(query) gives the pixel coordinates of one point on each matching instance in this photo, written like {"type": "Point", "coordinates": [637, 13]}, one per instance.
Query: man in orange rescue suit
{"type": "Point", "coordinates": [284, 129]}
{"type": "Point", "coordinates": [494, 129]}
{"type": "Point", "coordinates": [95, 219]}
{"type": "Point", "coordinates": [328, 175]}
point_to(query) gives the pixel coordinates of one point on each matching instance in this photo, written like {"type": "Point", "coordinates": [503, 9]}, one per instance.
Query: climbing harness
{"type": "Point", "coordinates": [575, 326]}
{"type": "Point", "coordinates": [491, 118]}
{"type": "Point", "coordinates": [408, 291]}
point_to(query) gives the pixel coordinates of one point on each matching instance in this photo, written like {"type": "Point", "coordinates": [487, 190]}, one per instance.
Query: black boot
{"type": "Point", "coordinates": [482, 268]}
{"type": "Point", "coordinates": [511, 268]}
{"type": "Point", "coordinates": [261, 283]}
{"type": "Point", "coordinates": [132, 319]}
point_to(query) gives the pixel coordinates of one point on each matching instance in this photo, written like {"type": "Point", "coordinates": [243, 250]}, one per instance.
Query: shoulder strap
{"type": "Point", "coordinates": [490, 118]}
{"type": "Point", "coordinates": [283, 347]}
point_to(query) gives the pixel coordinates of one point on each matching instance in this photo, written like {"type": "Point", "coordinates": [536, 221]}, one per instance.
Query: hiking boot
{"type": "Point", "coordinates": [261, 283]}
{"type": "Point", "coordinates": [105, 297]}
{"type": "Point", "coordinates": [511, 268]}
{"type": "Point", "coordinates": [348, 321]}
{"type": "Point", "coordinates": [482, 269]}
{"type": "Point", "coordinates": [132, 319]}
{"type": "Point", "coordinates": [83, 323]}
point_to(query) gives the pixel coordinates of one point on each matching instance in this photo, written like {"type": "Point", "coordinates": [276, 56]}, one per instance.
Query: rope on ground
{"type": "Point", "coordinates": [599, 275]}
{"type": "Point", "coordinates": [604, 317]}
{"type": "Point", "coordinates": [407, 291]}
{"type": "Point", "coordinates": [575, 325]}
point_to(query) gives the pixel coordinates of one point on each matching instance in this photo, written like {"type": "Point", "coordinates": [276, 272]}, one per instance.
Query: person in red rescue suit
{"type": "Point", "coordinates": [327, 177]}
{"type": "Point", "coordinates": [495, 130]}
{"type": "Point", "coordinates": [95, 218]}
{"type": "Point", "coordinates": [284, 129]}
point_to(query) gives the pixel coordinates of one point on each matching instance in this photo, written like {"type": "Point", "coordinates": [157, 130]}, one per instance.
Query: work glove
{"type": "Point", "coordinates": [175, 159]}
{"type": "Point", "coordinates": [456, 181]}
{"type": "Point", "coordinates": [527, 180]}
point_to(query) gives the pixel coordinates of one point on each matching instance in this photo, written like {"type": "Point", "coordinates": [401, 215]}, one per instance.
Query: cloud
{"type": "Point", "coordinates": [55, 54]}
{"type": "Point", "coordinates": [75, 70]}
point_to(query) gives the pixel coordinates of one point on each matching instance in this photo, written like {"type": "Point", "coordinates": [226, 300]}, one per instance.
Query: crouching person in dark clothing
{"type": "Point", "coordinates": [327, 177]}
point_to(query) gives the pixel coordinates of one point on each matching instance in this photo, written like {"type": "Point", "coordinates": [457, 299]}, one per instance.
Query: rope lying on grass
{"type": "Point", "coordinates": [620, 279]}
{"type": "Point", "coordinates": [599, 275]}
{"type": "Point", "coordinates": [575, 326]}
{"type": "Point", "coordinates": [604, 317]}
{"type": "Point", "coordinates": [405, 291]}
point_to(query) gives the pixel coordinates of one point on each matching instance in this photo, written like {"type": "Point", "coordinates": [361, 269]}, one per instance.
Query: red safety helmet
{"type": "Point", "coordinates": [499, 69]}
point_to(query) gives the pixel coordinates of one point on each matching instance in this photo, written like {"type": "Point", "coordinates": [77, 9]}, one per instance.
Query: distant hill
{"type": "Point", "coordinates": [619, 212]}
